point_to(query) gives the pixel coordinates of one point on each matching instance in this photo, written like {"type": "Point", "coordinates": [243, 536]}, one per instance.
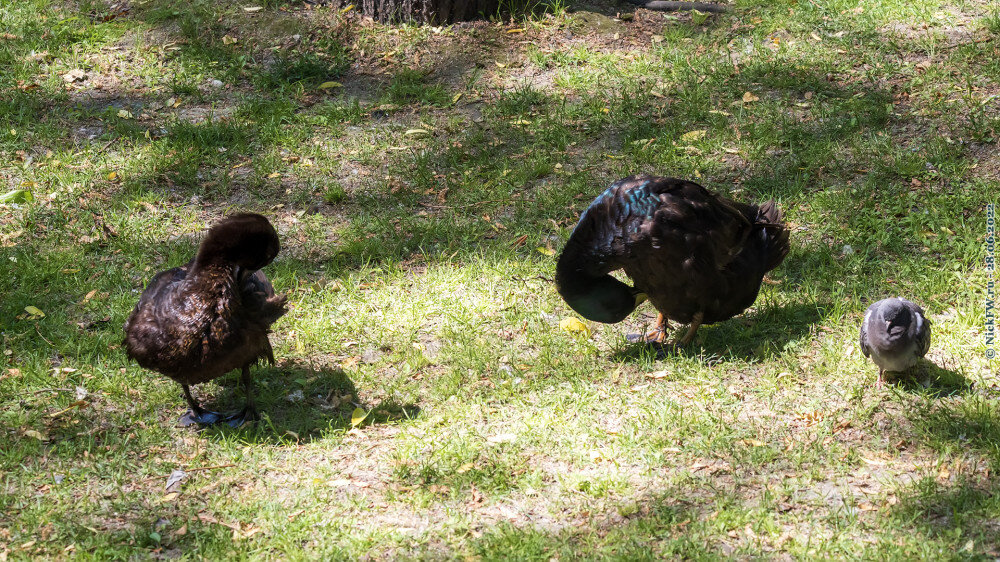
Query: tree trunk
{"type": "Point", "coordinates": [434, 12]}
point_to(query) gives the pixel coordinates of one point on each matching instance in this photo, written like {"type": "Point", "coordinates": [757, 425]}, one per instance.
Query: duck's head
{"type": "Point", "coordinates": [601, 299]}
{"type": "Point", "coordinates": [246, 239]}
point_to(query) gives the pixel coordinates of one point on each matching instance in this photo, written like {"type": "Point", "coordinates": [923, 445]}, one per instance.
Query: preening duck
{"type": "Point", "coordinates": [698, 257]}
{"type": "Point", "coordinates": [199, 321]}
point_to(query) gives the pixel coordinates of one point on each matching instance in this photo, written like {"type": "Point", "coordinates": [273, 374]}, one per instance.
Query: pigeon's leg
{"type": "Point", "coordinates": [249, 412]}
{"type": "Point", "coordinates": [880, 380]}
{"type": "Point", "coordinates": [695, 323]}
{"type": "Point", "coordinates": [196, 414]}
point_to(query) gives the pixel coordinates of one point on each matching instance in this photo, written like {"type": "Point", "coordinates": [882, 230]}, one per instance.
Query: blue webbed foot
{"type": "Point", "coordinates": [247, 415]}
{"type": "Point", "coordinates": [202, 417]}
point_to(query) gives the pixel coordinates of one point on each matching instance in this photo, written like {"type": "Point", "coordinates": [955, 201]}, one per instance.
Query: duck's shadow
{"type": "Point", "coordinates": [302, 404]}
{"type": "Point", "coordinates": [757, 336]}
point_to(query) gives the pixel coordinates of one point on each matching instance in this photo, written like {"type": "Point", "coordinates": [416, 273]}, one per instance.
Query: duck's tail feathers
{"type": "Point", "coordinates": [769, 220]}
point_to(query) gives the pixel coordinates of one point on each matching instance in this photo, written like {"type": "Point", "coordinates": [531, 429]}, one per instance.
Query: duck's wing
{"type": "Point", "coordinates": [145, 332]}
{"type": "Point", "coordinates": [678, 218]}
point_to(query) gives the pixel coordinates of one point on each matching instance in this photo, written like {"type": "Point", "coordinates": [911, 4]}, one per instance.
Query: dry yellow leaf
{"type": "Point", "coordinates": [358, 416]}
{"type": "Point", "coordinates": [574, 325]}
{"type": "Point", "coordinates": [35, 312]}
{"type": "Point", "coordinates": [692, 136]}
{"type": "Point", "coordinates": [748, 97]}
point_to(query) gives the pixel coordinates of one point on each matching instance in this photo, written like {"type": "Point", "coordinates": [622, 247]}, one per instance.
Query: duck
{"type": "Point", "coordinates": [199, 321]}
{"type": "Point", "coordinates": [698, 257]}
{"type": "Point", "coordinates": [895, 335]}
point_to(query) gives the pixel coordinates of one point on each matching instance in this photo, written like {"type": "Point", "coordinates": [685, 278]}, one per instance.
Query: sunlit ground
{"type": "Point", "coordinates": [422, 181]}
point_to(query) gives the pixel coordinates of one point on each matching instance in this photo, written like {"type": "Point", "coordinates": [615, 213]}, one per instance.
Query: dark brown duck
{"type": "Point", "coordinates": [199, 321]}
{"type": "Point", "coordinates": [698, 257]}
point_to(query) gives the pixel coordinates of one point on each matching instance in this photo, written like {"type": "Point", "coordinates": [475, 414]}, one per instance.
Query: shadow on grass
{"type": "Point", "coordinates": [931, 380]}
{"type": "Point", "coordinates": [971, 423]}
{"type": "Point", "coordinates": [964, 511]}
{"type": "Point", "coordinates": [304, 404]}
{"type": "Point", "coordinates": [757, 336]}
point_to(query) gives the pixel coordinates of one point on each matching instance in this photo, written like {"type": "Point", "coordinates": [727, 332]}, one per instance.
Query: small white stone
{"type": "Point", "coordinates": [847, 250]}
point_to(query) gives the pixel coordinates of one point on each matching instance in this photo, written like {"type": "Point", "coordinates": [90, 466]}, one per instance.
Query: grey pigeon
{"type": "Point", "coordinates": [895, 334]}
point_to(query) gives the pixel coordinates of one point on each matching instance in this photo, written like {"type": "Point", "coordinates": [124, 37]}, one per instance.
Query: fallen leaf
{"type": "Point", "coordinates": [417, 133]}
{"type": "Point", "coordinates": [657, 375]}
{"type": "Point", "coordinates": [169, 497]}
{"type": "Point", "coordinates": [75, 75]}
{"type": "Point", "coordinates": [77, 404]}
{"type": "Point", "coordinates": [358, 416]}
{"type": "Point", "coordinates": [546, 251]}
{"type": "Point", "coordinates": [465, 468]}
{"type": "Point", "coordinates": [748, 97]}
{"type": "Point", "coordinates": [124, 114]}
{"type": "Point", "coordinates": [17, 196]}
{"type": "Point", "coordinates": [692, 136]}
{"type": "Point", "coordinates": [112, 176]}
{"type": "Point", "coordinates": [34, 313]}
{"type": "Point", "coordinates": [228, 40]}
{"type": "Point", "coordinates": [252, 9]}
{"type": "Point", "coordinates": [34, 434]}
{"type": "Point", "coordinates": [574, 325]}
{"type": "Point", "coordinates": [330, 84]}
{"type": "Point", "coordinates": [174, 480]}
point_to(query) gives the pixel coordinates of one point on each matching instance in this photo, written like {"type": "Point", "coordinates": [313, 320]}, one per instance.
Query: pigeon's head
{"type": "Point", "coordinates": [896, 316]}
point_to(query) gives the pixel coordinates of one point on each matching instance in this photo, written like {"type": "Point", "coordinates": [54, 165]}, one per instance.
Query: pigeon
{"type": "Point", "coordinates": [895, 335]}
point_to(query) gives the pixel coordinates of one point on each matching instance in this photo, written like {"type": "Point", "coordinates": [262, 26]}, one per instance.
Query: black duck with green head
{"type": "Point", "coordinates": [699, 258]}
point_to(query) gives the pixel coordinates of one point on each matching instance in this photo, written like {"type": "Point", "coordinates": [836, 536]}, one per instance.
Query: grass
{"type": "Point", "coordinates": [420, 200]}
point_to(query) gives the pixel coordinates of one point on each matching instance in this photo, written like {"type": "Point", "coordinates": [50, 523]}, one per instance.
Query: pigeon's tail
{"type": "Point", "coordinates": [775, 233]}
